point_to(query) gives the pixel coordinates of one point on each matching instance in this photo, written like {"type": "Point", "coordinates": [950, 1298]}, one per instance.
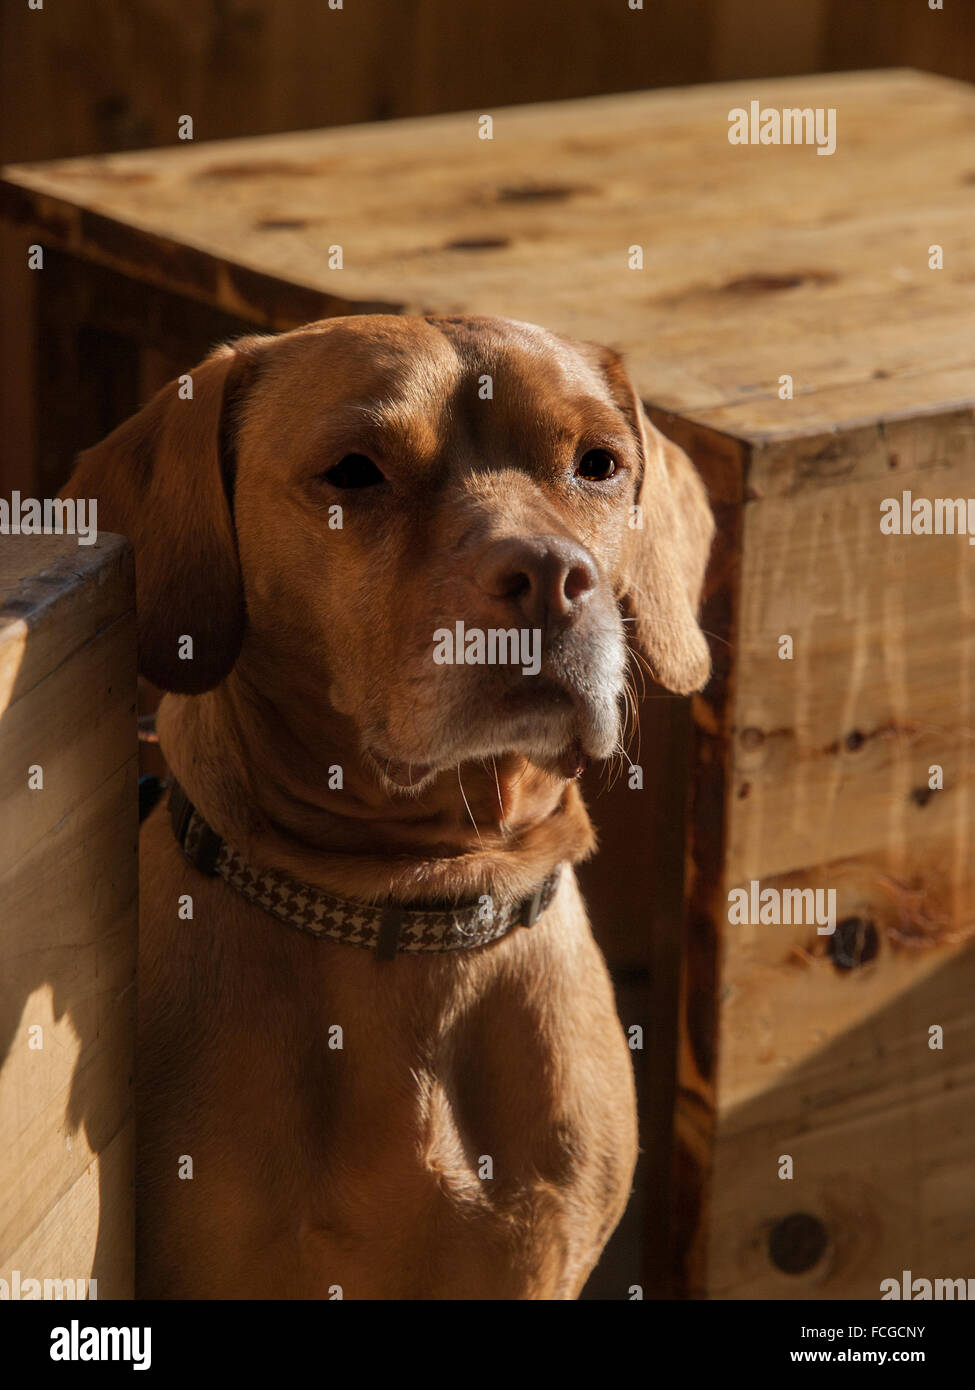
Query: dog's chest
{"type": "Point", "coordinates": [485, 1142]}
{"type": "Point", "coordinates": [430, 1127]}
{"type": "Point", "coordinates": [433, 1195]}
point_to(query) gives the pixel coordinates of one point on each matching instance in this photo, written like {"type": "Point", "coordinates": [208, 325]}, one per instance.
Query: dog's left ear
{"type": "Point", "coordinates": [666, 547]}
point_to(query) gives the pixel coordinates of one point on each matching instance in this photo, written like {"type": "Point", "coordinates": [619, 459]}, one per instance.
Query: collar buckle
{"type": "Point", "coordinates": [199, 843]}
{"type": "Point", "coordinates": [531, 909]}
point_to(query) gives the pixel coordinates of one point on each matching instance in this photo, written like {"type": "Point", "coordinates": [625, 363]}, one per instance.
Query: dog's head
{"type": "Point", "coordinates": [438, 516]}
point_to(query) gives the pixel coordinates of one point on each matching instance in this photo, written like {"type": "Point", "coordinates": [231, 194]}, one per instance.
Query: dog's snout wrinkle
{"type": "Point", "coordinates": [545, 579]}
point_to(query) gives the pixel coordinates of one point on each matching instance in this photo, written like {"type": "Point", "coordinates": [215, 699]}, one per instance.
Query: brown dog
{"type": "Point", "coordinates": [317, 1119]}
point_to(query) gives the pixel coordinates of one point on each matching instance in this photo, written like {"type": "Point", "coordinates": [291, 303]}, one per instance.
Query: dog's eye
{"type": "Point", "coordinates": [355, 470]}
{"type": "Point", "coordinates": [596, 466]}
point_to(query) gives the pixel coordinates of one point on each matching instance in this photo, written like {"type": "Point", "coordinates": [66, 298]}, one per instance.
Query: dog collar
{"type": "Point", "coordinates": [382, 929]}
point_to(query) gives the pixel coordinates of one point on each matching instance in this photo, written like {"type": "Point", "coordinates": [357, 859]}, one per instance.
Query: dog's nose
{"type": "Point", "coordinates": [546, 578]}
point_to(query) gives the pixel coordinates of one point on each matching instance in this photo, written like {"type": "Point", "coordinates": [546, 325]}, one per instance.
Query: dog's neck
{"type": "Point", "coordinates": [297, 794]}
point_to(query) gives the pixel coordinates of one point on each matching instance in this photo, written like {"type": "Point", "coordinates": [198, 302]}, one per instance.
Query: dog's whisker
{"type": "Point", "coordinates": [497, 783]}
{"type": "Point", "coordinates": [624, 763]}
{"type": "Point", "coordinates": [468, 805]}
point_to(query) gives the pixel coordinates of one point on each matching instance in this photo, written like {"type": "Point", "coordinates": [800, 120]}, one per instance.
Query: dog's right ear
{"type": "Point", "coordinates": [165, 480]}
{"type": "Point", "coordinates": [666, 555]}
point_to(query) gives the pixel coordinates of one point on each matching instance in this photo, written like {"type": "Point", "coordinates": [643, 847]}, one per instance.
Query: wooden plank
{"type": "Point", "coordinates": [878, 612]}
{"type": "Point", "coordinates": [68, 886]}
{"type": "Point", "coordinates": [67, 947]}
{"type": "Point", "coordinates": [909, 33]}
{"type": "Point", "coordinates": [107, 344]}
{"type": "Point", "coordinates": [723, 464]}
{"type": "Point", "coordinates": [429, 217]}
{"type": "Point", "coordinates": [61, 1241]}
{"type": "Point", "coordinates": [77, 80]}
{"type": "Point", "coordinates": [72, 741]}
{"type": "Point", "coordinates": [38, 580]}
{"type": "Point", "coordinates": [818, 768]}
{"type": "Point", "coordinates": [879, 1129]}
{"type": "Point", "coordinates": [749, 38]}
{"type": "Point", "coordinates": [827, 760]}
{"type": "Point", "coordinates": [832, 750]}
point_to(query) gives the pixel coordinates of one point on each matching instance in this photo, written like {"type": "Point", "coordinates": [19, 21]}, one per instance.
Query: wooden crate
{"type": "Point", "coordinates": [68, 911]}
{"type": "Point", "coordinates": [814, 773]}
{"type": "Point", "coordinates": [757, 262]}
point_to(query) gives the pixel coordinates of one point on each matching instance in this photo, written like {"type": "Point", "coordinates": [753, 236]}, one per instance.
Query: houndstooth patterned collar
{"type": "Point", "coordinates": [384, 930]}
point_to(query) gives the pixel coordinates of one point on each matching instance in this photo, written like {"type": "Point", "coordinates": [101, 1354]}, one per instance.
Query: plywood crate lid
{"type": "Point", "coordinates": [758, 260]}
